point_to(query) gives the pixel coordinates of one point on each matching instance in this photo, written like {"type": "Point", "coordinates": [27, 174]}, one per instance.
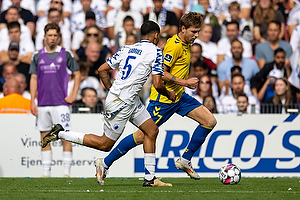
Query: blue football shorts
{"type": "Point", "coordinates": [161, 112]}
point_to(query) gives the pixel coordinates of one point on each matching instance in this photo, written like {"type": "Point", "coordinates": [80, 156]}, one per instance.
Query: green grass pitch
{"type": "Point", "coordinates": [131, 188]}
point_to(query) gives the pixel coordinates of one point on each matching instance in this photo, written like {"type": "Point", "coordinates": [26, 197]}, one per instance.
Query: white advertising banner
{"type": "Point", "coordinates": [261, 145]}
{"type": "Point", "coordinates": [21, 148]}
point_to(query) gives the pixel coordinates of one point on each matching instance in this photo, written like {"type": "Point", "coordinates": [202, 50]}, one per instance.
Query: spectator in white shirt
{"type": "Point", "coordinates": [27, 4]}
{"type": "Point", "coordinates": [229, 101]}
{"type": "Point", "coordinates": [142, 7]}
{"type": "Point", "coordinates": [12, 15]}
{"type": "Point", "coordinates": [242, 104]}
{"type": "Point", "coordinates": [78, 36]}
{"type": "Point", "coordinates": [220, 8]}
{"type": "Point", "coordinates": [78, 18]}
{"type": "Point", "coordinates": [174, 5]}
{"type": "Point", "coordinates": [127, 29]}
{"type": "Point", "coordinates": [166, 19]}
{"type": "Point", "coordinates": [246, 26]}
{"type": "Point", "coordinates": [26, 16]}
{"type": "Point", "coordinates": [54, 16]}
{"type": "Point", "coordinates": [209, 49]}
{"type": "Point", "coordinates": [232, 32]}
{"type": "Point", "coordinates": [26, 46]}
{"type": "Point", "coordinates": [115, 18]}
{"type": "Point", "coordinates": [44, 5]}
{"type": "Point", "coordinates": [96, 4]}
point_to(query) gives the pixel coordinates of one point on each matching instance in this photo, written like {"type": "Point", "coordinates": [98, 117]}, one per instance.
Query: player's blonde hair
{"type": "Point", "coordinates": [191, 19]}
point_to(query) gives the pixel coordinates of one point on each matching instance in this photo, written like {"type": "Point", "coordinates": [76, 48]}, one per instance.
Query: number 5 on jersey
{"type": "Point", "coordinates": [127, 68]}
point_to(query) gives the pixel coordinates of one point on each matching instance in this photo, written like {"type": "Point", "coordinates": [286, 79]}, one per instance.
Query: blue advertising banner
{"type": "Point", "coordinates": [268, 144]}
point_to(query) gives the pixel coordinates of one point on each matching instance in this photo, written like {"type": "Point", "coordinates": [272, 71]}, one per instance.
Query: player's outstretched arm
{"type": "Point", "coordinates": [104, 75]}
{"type": "Point", "coordinates": [160, 87]}
{"type": "Point", "coordinates": [168, 77]}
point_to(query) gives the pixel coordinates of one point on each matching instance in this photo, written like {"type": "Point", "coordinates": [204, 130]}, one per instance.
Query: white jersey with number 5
{"type": "Point", "coordinates": [135, 63]}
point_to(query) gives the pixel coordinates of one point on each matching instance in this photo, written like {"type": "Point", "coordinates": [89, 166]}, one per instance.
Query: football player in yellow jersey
{"type": "Point", "coordinates": [176, 69]}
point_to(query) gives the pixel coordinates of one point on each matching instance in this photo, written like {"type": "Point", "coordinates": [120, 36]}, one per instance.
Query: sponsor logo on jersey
{"type": "Point", "coordinates": [168, 57]}
{"type": "Point", "coordinates": [116, 126]}
{"type": "Point", "coordinates": [59, 59]}
{"type": "Point", "coordinates": [42, 62]}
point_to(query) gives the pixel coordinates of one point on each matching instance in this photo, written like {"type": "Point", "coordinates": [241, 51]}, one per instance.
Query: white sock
{"type": "Point", "coordinates": [71, 136]}
{"type": "Point", "coordinates": [46, 162]}
{"type": "Point", "coordinates": [103, 163]}
{"type": "Point", "coordinates": [67, 160]}
{"type": "Point", "coordinates": [184, 161]}
{"type": "Point", "coordinates": [149, 159]}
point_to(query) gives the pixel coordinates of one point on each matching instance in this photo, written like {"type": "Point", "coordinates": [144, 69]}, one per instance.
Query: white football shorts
{"type": "Point", "coordinates": [49, 115]}
{"type": "Point", "coordinates": [118, 113]}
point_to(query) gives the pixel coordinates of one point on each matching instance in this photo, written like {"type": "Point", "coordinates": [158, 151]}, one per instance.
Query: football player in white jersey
{"type": "Point", "coordinates": [135, 63]}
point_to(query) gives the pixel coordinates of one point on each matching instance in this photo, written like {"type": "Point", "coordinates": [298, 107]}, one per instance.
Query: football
{"type": "Point", "coordinates": [230, 174]}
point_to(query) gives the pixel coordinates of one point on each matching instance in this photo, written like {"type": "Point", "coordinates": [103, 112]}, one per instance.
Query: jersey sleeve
{"type": "Point", "coordinates": [295, 38]}
{"type": "Point", "coordinates": [292, 20]}
{"type": "Point", "coordinates": [157, 65]}
{"type": "Point", "coordinates": [171, 52]}
{"type": "Point", "coordinates": [34, 63]}
{"type": "Point", "coordinates": [115, 59]}
{"type": "Point", "coordinates": [71, 62]}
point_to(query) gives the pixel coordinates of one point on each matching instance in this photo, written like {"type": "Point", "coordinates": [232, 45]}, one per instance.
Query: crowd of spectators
{"type": "Point", "coordinates": [246, 56]}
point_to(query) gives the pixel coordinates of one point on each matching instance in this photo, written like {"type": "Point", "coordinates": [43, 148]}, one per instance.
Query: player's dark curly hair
{"type": "Point", "coordinates": [149, 27]}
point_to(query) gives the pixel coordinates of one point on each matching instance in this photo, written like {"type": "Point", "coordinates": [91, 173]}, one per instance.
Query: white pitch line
{"type": "Point", "coordinates": [129, 191]}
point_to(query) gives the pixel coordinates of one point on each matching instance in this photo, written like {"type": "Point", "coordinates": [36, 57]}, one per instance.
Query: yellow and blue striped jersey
{"type": "Point", "coordinates": [177, 56]}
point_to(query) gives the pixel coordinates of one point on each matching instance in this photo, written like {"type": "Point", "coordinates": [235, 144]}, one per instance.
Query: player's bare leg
{"type": "Point", "coordinates": [151, 131]}
{"type": "Point", "coordinates": [102, 143]}
{"type": "Point", "coordinates": [206, 122]}
{"type": "Point", "coordinates": [203, 116]}
{"type": "Point", "coordinates": [127, 143]}
{"type": "Point", "coordinates": [102, 166]}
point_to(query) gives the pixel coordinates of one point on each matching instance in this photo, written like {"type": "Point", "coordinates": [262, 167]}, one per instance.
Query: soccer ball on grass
{"type": "Point", "coordinates": [230, 174]}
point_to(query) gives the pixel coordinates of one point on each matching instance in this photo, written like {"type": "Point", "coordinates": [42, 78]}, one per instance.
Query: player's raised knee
{"type": "Point", "coordinates": [212, 121]}
{"type": "Point", "coordinates": [139, 137]}
{"type": "Point", "coordinates": [152, 133]}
